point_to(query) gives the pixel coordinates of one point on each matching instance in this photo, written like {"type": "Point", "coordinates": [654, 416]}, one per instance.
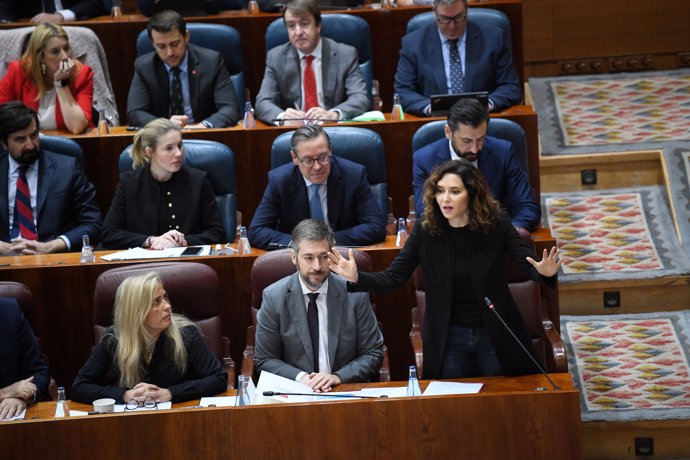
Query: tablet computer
{"type": "Point", "coordinates": [441, 103]}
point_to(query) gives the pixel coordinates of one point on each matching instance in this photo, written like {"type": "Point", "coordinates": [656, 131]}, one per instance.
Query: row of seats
{"type": "Point", "coordinates": [360, 145]}
{"type": "Point", "coordinates": [343, 28]}
{"type": "Point", "coordinates": [194, 290]}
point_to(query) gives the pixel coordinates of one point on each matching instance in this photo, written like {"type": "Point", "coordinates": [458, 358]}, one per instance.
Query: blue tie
{"type": "Point", "coordinates": [457, 77]}
{"type": "Point", "coordinates": [315, 202]}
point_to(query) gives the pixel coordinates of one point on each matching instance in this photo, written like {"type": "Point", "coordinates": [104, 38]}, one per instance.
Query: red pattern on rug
{"type": "Point", "coordinates": [606, 232]}
{"type": "Point", "coordinates": [629, 364]}
{"type": "Point", "coordinates": [635, 109]}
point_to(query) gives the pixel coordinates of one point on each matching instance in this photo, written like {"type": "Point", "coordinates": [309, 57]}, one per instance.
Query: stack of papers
{"type": "Point", "coordinates": [141, 253]}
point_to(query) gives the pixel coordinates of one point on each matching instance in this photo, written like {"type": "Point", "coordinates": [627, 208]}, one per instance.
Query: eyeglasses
{"type": "Point", "coordinates": [148, 403]}
{"type": "Point", "coordinates": [309, 162]}
{"type": "Point", "coordinates": [445, 20]}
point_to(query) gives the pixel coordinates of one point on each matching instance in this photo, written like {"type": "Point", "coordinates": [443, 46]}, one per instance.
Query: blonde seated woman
{"type": "Point", "coordinates": [150, 354]}
{"type": "Point", "coordinates": [47, 79]}
{"type": "Point", "coordinates": [162, 203]}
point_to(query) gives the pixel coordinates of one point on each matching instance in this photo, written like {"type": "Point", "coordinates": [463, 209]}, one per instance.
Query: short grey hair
{"type": "Point", "coordinates": [311, 230]}
{"type": "Point", "coordinates": [448, 2]}
{"type": "Point", "coordinates": [307, 133]}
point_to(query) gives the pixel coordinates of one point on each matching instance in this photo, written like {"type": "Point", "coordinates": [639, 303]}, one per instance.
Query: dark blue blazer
{"type": "Point", "coordinates": [83, 9]}
{"type": "Point", "coordinates": [488, 67]}
{"type": "Point", "coordinates": [20, 357]}
{"type": "Point", "coordinates": [65, 201]}
{"type": "Point", "coordinates": [353, 212]}
{"type": "Point", "coordinates": [498, 163]}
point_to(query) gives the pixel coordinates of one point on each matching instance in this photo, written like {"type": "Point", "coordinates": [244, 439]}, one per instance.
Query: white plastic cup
{"type": "Point", "coordinates": [104, 405]}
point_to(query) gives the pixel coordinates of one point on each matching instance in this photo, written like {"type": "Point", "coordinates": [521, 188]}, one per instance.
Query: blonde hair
{"type": "Point", "coordinates": [133, 302]}
{"type": "Point", "coordinates": [148, 136]}
{"type": "Point", "coordinates": [31, 60]}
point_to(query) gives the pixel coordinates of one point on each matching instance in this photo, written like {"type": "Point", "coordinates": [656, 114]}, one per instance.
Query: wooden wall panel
{"type": "Point", "coordinates": [558, 30]}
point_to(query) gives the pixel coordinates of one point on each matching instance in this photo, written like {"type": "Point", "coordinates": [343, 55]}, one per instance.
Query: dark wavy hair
{"type": "Point", "coordinates": [483, 208]}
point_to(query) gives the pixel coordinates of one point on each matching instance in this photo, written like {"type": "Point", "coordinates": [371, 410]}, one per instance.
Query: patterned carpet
{"type": "Point", "coordinates": [614, 234]}
{"type": "Point", "coordinates": [613, 112]}
{"type": "Point", "coordinates": [630, 367]}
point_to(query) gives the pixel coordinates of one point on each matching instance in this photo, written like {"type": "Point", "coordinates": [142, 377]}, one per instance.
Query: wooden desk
{"type": "Point", "coordinates": [253, 159]}
{"type": "Point", "coordinates": [508, 419]}
{"type": "Point", "coordinates": [387, 28]}
{"type": "Point", "coordinates": [63, 290]}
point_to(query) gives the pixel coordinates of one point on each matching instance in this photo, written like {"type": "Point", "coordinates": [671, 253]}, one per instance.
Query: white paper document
{"type": "Point", "coordinates": [21, 416]}
{"type": "Point", "coordinates": [217, 401]}
{"type": "Point", "coordinates": [276, 383]}
{"type": "Point", "coordinates": [159, 406]}
{"type": "Point", "coordinates": [452, 388]}
{"type": "Point", "coordinates": [141, 253]}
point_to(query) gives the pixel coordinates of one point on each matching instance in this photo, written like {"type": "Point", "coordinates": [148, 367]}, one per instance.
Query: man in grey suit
{"type": "Point", "coordinates": [311, 77]}
{"type": "Point", "coordinates": [188, 84]}
{"type": "Point", "coordinates": [309, 328]}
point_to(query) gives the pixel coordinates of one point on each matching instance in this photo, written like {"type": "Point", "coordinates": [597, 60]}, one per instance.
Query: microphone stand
{"type": "Point", "coordinates": [322, 395]}
{"type": "Point", "coordinates": [491, 307]}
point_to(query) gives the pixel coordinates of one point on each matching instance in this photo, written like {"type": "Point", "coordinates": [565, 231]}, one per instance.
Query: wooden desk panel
{"type": "Point", "coordinates": [508, 419]}
{"type": "Point", "coordinates": [387, 28]}
{"type": "Point", "coordinates": [63, 290]}
{"type": "Point", "coordinates": [252, 156]}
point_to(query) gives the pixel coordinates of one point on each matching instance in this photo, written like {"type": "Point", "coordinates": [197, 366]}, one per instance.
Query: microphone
{"type": "Point", "coordinates": [308, 120]}
{"type": "Point", "coordinates": [491, 307]}
{"type": "Point", "coordinates": [278, 246]}
{"type": "Point", "coordinates": [325, 395]}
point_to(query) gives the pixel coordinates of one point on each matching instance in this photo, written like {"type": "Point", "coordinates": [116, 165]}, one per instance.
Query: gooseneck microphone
{"type": "Point", "coordinates": [491, 307]}
{"type": "Point", "coordinates": [328, 395]}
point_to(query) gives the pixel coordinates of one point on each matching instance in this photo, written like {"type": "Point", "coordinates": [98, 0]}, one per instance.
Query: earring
{"type": "Point", "coordinates": [43, 68]}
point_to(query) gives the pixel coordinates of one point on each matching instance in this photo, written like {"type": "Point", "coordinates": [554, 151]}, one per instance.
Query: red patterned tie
{"type": "Point", "coordinates": [310, 99]}
{"type": "Point", "coordinates": [22, 205]}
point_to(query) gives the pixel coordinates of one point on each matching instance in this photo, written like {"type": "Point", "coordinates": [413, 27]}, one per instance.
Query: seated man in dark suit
{"type": "Point", "coordinates": [455, 57]}
{"type": "Point", "coordinates": [296, 192]}
{"type": "Point", "coordinates": [310, 77]}
{"type": "Point", "coordinates": [50, 10]}
{"type": "Point", "coordinates": [309, 328]}
{"type": "Point", "coordinates": [466, 138]}
{"type": "Point", "coordinates": [24, 376]}
{"type": "Point", "coordinates": [184, 7]}
{"type": "Point", "coordinates": [188, 84]}
{"type": "Point", "coordinates": [46, 202]}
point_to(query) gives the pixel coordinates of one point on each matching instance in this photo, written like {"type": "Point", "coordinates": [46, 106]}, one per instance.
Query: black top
{"type": "Point", "coordinates": [144, 207]}
{"type": "Point", "coordinates": [204, 376]}
{"type": "Point", "coordinates": [465, 311]}
{"type": "Point", "coordinates": [488, 275]}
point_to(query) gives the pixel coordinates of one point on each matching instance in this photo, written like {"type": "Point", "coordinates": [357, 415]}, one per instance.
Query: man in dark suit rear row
{"type": "Point", "coordinates": [188, 84]}
{"type": "Point", "coordinates": [46, 202]}
{"type": "Point", "coordinates": [50, 10]}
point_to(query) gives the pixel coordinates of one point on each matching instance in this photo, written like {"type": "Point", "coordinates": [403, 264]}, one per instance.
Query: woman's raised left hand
{"type": "Point", "coordinates": [549, 264]}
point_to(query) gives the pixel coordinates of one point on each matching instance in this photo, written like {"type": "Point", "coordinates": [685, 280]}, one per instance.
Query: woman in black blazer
{"type": "Point", "coordinates": [461, 244]}
{"type": "Point", "coordinates": [162, 203]}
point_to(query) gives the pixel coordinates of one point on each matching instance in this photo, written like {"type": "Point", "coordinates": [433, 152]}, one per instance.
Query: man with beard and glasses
{"type": "Point", "coordinates": [46, 201]}
{"type": "Point", "coordinates": [468, 120]}
{"type": "Point", "coordinates": [309, 328]}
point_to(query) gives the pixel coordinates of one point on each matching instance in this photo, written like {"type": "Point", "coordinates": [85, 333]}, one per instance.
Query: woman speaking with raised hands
{"type": "Point", "coordinates": [461, 244]}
